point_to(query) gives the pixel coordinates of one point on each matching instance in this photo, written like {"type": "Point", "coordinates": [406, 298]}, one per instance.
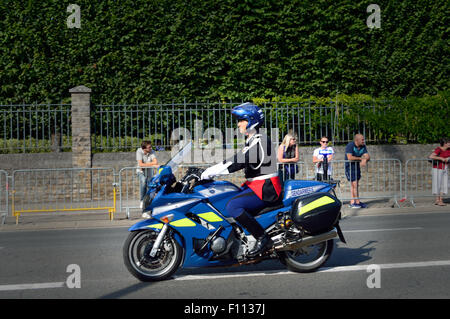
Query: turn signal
{"type": "Point", "coordinates": [167, 219]}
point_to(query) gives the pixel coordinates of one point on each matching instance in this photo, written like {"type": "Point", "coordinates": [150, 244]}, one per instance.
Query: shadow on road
{"type": "Point", "coordinates": [125, 291]}
{"type": "Point", "coordinates": [348, 256]}
{"type": "Point", "coordinates": [342, 255]}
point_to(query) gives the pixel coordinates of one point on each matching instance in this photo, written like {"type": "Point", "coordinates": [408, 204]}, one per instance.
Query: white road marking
{"type": "Point", "coordinates": [376, 230]}
{"type": "Point", "coordinates": [32, 286]}
{"type": "Point", "coordinates": [389, 266]}
{"type": "Point", "coordinates": [325, 269]}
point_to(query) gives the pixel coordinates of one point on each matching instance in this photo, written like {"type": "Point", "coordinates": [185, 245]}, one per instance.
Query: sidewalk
{"type": "Point", "coordinates": [95, 219]}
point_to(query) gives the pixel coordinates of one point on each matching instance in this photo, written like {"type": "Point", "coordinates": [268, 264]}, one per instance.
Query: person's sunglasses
{"type": "Point", "coordinates": [323, 141]}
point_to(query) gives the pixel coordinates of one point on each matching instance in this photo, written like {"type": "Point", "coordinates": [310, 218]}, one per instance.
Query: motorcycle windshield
{"type": "Point", "coordinates": [176, 160]}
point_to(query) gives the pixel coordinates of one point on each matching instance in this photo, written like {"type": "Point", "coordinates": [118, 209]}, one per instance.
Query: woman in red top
{"type": "Point", "coordinates": [441, 158]}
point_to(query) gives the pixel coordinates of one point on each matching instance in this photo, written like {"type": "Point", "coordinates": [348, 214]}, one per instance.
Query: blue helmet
{"type": "Point", "coordinates": [251, 113]}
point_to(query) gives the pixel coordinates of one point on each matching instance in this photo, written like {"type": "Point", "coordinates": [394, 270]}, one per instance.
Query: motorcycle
{"type": "Point", "coordinates": [189, 226]}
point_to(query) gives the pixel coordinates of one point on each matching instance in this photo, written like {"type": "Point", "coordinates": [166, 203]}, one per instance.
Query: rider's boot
{"type": "Point", "coordinates": [263, 241]}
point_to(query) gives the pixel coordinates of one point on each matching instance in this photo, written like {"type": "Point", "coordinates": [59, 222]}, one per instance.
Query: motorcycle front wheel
{"type": "Point", "coordinates": [136, 254]}
{"type": "Point", "coordinates": [307, 259]}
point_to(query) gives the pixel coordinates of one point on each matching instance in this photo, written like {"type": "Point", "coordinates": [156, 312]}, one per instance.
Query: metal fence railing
{"type": "Point", "coordinates": [123, 127]}
{"type": "Point", "coordinates": [56, 190]}
{"type": "Point", "coordinates": [35, 127]}
{"type": "Point", "coordinates": [4, 205]}
{"type": "Point", "coordinates": [418, 179]}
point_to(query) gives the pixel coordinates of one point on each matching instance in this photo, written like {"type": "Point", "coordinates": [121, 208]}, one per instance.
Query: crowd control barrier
{"type": "Point", "coordinates": [129, 194]}
{"type": "Point", "coordinates": [418, 179]}
{"type": "Point", "coordinates": [379, 179]}
{"type": "Point", "coordinates": [4, 198]}
{"type": "Point", "coordinates": [85, 189]}
{"type": "Point", "coordinates": [58, 190]}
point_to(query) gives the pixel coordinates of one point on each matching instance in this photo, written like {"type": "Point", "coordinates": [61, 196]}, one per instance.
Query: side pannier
{"type": "Point", "coordinates": [316, 213]}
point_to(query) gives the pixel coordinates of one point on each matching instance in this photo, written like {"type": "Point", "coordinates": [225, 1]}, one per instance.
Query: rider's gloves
{"type": "Point", "coordinates": [218, 169]}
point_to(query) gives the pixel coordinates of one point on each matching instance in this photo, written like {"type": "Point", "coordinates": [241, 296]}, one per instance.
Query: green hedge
{"type": "Point", "coordinates": [136, 51]}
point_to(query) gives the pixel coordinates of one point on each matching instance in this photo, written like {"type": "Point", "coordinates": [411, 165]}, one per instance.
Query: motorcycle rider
{"type": "Point", "coordinates": [263, 186]}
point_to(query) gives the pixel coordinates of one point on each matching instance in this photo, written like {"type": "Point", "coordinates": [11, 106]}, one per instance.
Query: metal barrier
{"type": "Point", "coordinates": [56, 190]}
{"type": "Point", "coordinates": [129, 196]}
{"type": "Point", "coordinates": [4, 205]}
{"type": "Point", "coordinates": [418, 179]}
{"type": "Point", "coordinates": [301, 171]}
{"type": "Point", "coordinates": [84, 189]}
{"type": "Point", "coordinates": [380, 178]}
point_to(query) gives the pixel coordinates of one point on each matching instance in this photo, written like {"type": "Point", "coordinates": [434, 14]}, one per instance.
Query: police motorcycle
{"type": "Point", "coordinates": [189, 226]}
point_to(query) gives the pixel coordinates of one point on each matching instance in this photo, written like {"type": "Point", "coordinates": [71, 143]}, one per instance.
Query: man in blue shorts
{"type": "Point", "coordinates": [356, 155]}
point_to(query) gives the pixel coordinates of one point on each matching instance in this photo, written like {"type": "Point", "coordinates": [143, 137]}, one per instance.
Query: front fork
{"type": "Point", "coordinates": [159, 240]}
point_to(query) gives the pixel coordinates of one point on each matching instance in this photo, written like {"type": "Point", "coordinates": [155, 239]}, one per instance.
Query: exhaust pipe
{"type": "Point", "coordinates": [307, 241]}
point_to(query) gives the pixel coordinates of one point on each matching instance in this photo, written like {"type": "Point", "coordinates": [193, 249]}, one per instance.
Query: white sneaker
{"type": "Point", "coordinates": [145, 215]}
{"type": "Point", "coordinates": [141, 204]}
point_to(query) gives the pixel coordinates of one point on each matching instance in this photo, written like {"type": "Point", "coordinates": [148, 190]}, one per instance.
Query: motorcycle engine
{"type": "Point", "coordinates": [218, 245]}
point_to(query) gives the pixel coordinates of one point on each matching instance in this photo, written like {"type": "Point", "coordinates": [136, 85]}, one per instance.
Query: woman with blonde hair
{"type": "Point", "coordinates": [288, 156]}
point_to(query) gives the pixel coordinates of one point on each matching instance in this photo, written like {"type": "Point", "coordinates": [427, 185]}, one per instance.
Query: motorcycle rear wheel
{"type": "Point", "coordinates": [137, 259]}
{"type": "Point", "coordinates": [307, 259]}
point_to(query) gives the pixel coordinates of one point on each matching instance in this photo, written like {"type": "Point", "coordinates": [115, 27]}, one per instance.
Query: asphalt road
{"type": "Point", "coordinates": [411, 254]}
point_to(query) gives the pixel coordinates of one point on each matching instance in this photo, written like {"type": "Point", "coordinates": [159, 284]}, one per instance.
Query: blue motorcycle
{"type": "Point", "coordinates": [190, 226]}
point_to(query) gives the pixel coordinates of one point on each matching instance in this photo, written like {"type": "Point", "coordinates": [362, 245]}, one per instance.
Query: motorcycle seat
{"type": "Point", "coordinates": [273, 206]}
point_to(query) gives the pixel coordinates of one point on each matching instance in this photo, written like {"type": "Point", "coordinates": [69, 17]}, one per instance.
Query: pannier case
{"type": "Point", "coordinates": [316, 213]}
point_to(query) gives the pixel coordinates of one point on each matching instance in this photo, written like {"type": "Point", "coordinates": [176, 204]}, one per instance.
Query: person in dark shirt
{"type": "Point", "coordinates": [288, 157]}
{"type": "Point", "coordinates": [356, 156]}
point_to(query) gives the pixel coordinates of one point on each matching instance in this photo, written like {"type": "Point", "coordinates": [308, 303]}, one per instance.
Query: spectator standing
{"type": "Point", "coordinates": [145, 158]}
{"type": "Point", "coordinates": [356, 156]}
{"type": "Point", "coordinates": [288, 156]}
{"type": "Point", "coordinates": [439, 173]}
{"type": "Point", "coordinates": [322, 158]}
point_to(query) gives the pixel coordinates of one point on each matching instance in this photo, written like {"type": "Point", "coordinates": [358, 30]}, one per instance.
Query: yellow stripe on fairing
{"type": "Point", "coordinates": [317, 203]}
{"type": "Point", "coordinates": [210, 217]}
{"type": "Point", "coordinates": [185, 222]}
{"type": "Point", "coordinates": [157, 226]}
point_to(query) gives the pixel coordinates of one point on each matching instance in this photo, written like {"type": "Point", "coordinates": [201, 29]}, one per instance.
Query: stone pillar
{"type": "Point", "coordinates": [81, 127]}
